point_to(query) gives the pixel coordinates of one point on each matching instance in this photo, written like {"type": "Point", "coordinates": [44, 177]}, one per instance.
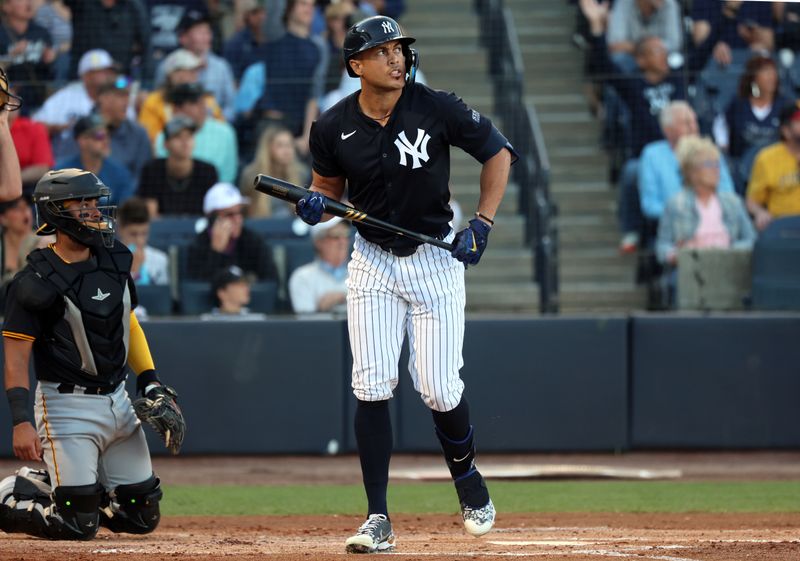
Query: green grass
{"type": "Point", "coordinates": [419, 498]}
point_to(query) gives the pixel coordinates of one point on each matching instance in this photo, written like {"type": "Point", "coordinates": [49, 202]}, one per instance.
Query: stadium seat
{"type": "Point", "coordinates": [156, 299]}
{"type": "Point", "coordinates": [172, 231]}
{"type": "Point", "coordinates": [271, 228]}
{"type": "Point", "coordinates": [264, 297]}
{"type": "Point", "coordinates": [298, 252]}
{"type": "Point", "coordinates": [776, 266]}
{"type": "Point", "coordinates": [196, 298]}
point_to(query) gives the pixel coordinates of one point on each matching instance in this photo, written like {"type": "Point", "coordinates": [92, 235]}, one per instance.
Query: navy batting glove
{"type": "Point", "coordinates": [470, 242]}
{"type": "Point", "coordinates": [310, 207]}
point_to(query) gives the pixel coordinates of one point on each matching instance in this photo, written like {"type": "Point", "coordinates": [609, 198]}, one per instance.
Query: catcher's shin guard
{"type": "Point", "coordinates": [133, 509]}
{"type": "Point", "coordinates": [73, 514]}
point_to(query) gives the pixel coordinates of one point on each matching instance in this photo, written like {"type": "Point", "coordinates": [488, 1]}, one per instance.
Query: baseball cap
{"type": "Point", "coordinates": [224, 277]}
{"type": "Point", "coordinates": [96, 59]}
{"type": "Point", "coordinates": [321, 229]}
{"type": "Point", "coordinates": [118, 84]}
{"type": "Point", "coordinates": [191, 18]}
{"type": "Point", "coordinates": [177, 124]}
{"type": "Point", "coordinates": [221, 196]}
{"type": "Point", "coordinates": [87, 123]}
{"type": "Point", "coordinates": [185, 93]}
{"type": "Point", "coordinates": [181, 59]}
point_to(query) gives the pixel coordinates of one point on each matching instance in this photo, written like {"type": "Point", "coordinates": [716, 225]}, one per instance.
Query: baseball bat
{"type": "Point", "coordinates": [292, 193]}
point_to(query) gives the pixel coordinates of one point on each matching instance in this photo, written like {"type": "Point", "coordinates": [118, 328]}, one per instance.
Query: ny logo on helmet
{"type": "Point", "coordinates": [418, 151]}
{"type": "Point", "coordinates": [387, 27]}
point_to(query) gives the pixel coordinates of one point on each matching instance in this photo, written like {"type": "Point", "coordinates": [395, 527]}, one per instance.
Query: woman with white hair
{"type": "Point", "coordinates": [700, 216]}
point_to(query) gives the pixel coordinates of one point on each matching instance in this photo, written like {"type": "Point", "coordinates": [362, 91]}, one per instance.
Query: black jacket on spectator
{"type": "Point", "coordinates": [27, 70]}
{"type": "Point", "coordinates": [251, 254]}
{"type": "Point", "coordinates": [175, 196]}
{"type": "Point", "coordinates": [123, 30]}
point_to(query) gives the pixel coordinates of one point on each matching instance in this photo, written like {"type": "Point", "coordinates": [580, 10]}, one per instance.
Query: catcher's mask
{"type": "Point", "coordinates": [90, 225]}
{"type": "Point", "coordinates": [8, 100]}
{"type": "Point", "coordinates": [374, 31]}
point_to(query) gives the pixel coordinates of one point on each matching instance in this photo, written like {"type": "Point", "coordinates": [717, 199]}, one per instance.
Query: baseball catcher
{"type": "Point", "coordinates": [71, 309]}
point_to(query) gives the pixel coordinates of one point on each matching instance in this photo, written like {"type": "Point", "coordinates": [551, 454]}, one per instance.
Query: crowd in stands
{"type": "Point", "coordinates": [177, 105]}
{"type": "Point", "coordinates": [700, 110]}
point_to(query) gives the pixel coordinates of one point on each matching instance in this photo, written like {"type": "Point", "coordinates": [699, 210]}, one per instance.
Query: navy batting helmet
{"type": "Point", "coordinates": [375, 31]}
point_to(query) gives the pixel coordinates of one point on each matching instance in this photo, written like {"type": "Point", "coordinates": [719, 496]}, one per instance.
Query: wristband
{"type": "Point", "coordinates": [145, 379]}
{"type": "Point", "coordinates": [486, 218]}
{"type": "Point", "coordinates": [18, 399]}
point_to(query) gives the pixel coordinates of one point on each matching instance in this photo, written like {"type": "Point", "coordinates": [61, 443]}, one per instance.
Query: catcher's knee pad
{"type": "Point", "coordinates": [20, 494]}
{"type": "Point", "coordinates": [73, 515]}
{"type": "Point", "coordinates": [133, 508]}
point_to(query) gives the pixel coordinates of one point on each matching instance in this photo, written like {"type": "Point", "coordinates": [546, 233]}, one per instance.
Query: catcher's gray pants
{"type": "Point", "coordinates": [91, 438]}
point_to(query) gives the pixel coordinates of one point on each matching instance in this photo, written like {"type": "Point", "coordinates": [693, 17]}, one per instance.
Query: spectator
{"type": "Point", "coordinates": [231, 290]}
{"type": "Point", "coordinates": [130, 144]}
{"type": "Point", "coordinates": [730, 29]}
{"type": "Point", "coordinates": [774, 188]}
{"type": "Point", "coordinates": [120, 27]}
{"type": "Point", "coordinates": [699, 216]}
{"type": "Point", "coordinates": [659, 172]}
{"type": "Point", "coordinates": [195, 35]}
{"type": "Point", "coordinates": [150, 265]}
{"type": "Point", "coordinates": [27, 50]}
{"type": "Point", "coordinates": [16, 237]}
{"type": "Point", "coordinates": [337, 22]}
{"type": "Point", "coordinates": [646, 93]}
{"type": "Point", "coordinates": [226, 242]}
{"type": "Point", "coordinates": [633, 20]}
{"type": "Point", "coordinates": [165, 16]}
{"type": "Point", "coordinates": [75, 100]}
{"type": "Point", "coordinates": [176, 184]}
{"type": "Point", "coordinates": [180, 67]}
{"type": "Point", "coordinates": [320, 286]}
{"type": "Point", "coordinates": [56, 18]}
{"type": "Point", "coordinates": [215, 141]}
{"type": "Point", "coordinates": [94, 148]}
{"type": "Point", "coordinates": [243, 48]}
{"type": "Point", "coordinates": [752, 119]}
{"type": "Point", "coordinates": [10, 180]}
{"type": "Point", "coordinates": [33, 148]}
{"type": "Point", "coordinates": [296, 64]}
{"type": "Point", "coordinates": [275, 156]}
{"type": "Point", "coordinates": [788, 17]}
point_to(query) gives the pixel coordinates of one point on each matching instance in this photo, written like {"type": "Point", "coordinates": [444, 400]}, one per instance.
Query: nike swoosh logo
{"type": "Point", "coordinates": [474, 245]}
{"type": "Point", "coordinates": [461, 459]}
{"type": "Point", "coordinates": [346, 136]}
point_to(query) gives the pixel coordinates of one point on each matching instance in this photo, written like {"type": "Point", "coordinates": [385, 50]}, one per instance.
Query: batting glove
{"type": "Point", "coordinates": [310, 207]}
{"type": "Point", "coordinates": [470, 242]}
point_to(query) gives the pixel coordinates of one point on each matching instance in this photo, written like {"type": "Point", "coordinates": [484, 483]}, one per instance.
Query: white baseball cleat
{"type": "Point", "coordinates": [478, 521]}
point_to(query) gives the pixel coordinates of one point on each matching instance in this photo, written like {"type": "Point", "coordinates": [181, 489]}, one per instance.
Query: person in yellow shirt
{"type": "Point", "coordinates": [774, 188]}
{"type": "Point", "coordinates": [181, 67]}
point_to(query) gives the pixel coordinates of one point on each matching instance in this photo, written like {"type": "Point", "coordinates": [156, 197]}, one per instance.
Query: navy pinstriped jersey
{"type": "Point", "coordinates": [400, 173]}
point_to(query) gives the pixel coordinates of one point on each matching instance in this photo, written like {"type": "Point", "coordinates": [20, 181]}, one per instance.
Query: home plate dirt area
{"type": "Point", "coordinates": [700, 537]}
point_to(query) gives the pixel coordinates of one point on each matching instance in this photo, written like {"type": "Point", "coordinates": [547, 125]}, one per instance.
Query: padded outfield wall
{"type": "Point", "coordinates": [537, 384]}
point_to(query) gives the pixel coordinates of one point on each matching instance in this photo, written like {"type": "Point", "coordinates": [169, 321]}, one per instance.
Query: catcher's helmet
{"type": "Point", "coordinates": [8, 100]}
{"type": "Point", "coordinates": [375, 31]}
{"type": "Point", "coordinates": [58, 186]}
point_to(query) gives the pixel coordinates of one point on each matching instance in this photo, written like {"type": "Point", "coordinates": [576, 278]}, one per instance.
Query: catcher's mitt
{"type": "Point", "coordinates": [8, 100]}
{"type": "Point", "coordinates": [159, 409]}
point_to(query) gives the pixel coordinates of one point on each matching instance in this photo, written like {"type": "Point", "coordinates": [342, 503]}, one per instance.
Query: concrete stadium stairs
{"type": "Point", "coordinates": [594, 277]}
{"type": "Point", "coordinates": [452, 59]}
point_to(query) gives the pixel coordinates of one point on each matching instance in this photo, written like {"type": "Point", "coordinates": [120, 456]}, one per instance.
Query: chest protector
{"type": "Point", "coordinates": [93, 334]}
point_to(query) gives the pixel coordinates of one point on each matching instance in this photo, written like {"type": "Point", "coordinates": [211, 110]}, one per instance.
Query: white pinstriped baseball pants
{"type": "Point", "coordinates": [422, 295]}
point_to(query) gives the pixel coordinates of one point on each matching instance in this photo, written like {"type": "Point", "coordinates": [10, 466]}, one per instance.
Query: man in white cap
{"type": "Point", "coordinates": [76, 99]}
{"type": "Point", "coordinates": [320, 285]}
{"type": "Point", "coordinates": [226, 242]}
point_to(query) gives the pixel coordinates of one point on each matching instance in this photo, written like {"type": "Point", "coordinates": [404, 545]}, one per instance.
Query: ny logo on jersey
{"type": "Point", "coordinates": [418, 151]}
{"type": "Point", "coordinates": [387, 27]}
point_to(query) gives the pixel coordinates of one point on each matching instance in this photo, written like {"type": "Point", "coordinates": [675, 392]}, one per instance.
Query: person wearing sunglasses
{"type": "Point", "coordinates": [94, 148]}
{"type": "Point", "coordinates": [774, 188]}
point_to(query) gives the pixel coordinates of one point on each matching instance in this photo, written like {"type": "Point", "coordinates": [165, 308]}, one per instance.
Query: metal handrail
{"type": "Point", "coordinates": [522, 126]}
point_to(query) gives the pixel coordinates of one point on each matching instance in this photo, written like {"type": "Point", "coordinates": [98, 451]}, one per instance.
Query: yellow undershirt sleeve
{"type": "Point", "coordinates": [139, 357]}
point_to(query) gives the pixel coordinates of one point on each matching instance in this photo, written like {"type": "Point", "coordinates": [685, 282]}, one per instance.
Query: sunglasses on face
{"type": "Point", "coordinates": [708, 164]}
{"type": "Point", "coordinates": [231, 213]}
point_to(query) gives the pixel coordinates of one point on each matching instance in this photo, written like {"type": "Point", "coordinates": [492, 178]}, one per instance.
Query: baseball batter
{"type": "Point", "coordinates": [71, 308]}
{"type": "Point", "coordinates": [389, 144]}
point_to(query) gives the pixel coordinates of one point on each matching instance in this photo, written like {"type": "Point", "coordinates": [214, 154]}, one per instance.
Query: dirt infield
{"type": "Point", "coordinates": [556, 536]}
{"type": "Point", "coordinates": [553, 536]}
